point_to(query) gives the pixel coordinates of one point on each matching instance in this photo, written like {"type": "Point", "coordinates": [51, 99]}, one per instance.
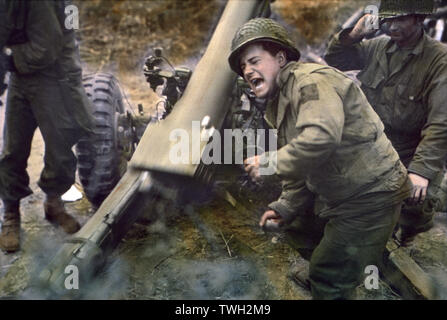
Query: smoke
{"type": "Point", "coordinates": [111, 283]}
{"type": "Point", "coordinates": [206, 280]}
{"type": "Point", "coordinates": [20, 283]}
{"type": "Point", "coordinates": [439, 277]}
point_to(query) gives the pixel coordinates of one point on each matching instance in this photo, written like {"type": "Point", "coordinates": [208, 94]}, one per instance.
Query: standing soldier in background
{"type": "Point", "coordinates": [404, 77]}
{"type": "Point", "coordinates": [45, 91]}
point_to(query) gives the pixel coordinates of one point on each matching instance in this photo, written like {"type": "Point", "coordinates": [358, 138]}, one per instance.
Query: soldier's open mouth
{"type": "Point", "coordinates": [257, 83]}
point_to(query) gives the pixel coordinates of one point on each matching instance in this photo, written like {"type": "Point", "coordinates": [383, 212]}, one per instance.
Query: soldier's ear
{"type": "Point", "coordinates": [282, 58]}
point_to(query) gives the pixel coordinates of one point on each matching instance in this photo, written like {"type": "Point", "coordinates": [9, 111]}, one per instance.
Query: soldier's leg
{"type": "Point", "coordinates": [348, 246]}
{"type": "Point", "coordinates": [305, 233]}
{"type": "Point", "coordinates": [60, 163]}
{"type": "Point", "coordinates": [56, 127]}
{"type": "Point", "coordinates": [18, 132]}
{"type": "Point", "coordinates": [59, 171]}
{"type": "Point", "coordinates": [443, 193]}
{"type": "Point", "coordinates": [19, 128]}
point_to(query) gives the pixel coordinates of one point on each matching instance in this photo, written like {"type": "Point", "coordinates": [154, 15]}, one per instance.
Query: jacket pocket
{"type": "Point", "coordinates": [371, 80]}
{"type": "Point", "coordinates": [409, 114]}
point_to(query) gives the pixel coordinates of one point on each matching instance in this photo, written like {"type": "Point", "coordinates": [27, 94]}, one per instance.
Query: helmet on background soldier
{"type": "Point", "coordinates": [261, 29]}
{"type": "Point", "coordinates": [399, 8]}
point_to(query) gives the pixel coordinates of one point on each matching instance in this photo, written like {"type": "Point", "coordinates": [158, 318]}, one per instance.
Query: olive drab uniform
{"type": "Point", "coordinates": [407, 88]}
{"type": "Point", "coordinates": [343, 183]}
{"type": "Point", "coordinates": [44, 91]}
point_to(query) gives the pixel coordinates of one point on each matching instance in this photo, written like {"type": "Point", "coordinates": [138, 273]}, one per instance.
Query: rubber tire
{"type": "Point", "coordinates": [100, 165]}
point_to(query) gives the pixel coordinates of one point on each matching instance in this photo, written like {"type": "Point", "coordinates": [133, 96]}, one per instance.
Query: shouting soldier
{"type": "Point", "coordinates": [343, 182]}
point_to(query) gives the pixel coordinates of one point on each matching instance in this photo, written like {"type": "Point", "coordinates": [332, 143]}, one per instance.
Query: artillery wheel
{"type": "Point", "coordinates": [100, 162]}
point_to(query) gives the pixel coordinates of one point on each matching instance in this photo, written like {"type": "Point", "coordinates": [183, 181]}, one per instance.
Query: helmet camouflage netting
{"type": "Point", "coordinates": [397, 8]}
{"type": "Point", "coordinates": [260, 29]}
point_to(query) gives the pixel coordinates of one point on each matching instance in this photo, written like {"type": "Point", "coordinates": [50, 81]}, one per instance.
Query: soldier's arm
{"type": "Point", "coordinates": [5, 32]}
{"type": "Point", "coordinates": [295, 198]}
{"type": "Point", "coordinates": [431, 152]}
{"type": "Point", "coordinates": [347, 51]}
{"type": "Point", "coordinates": [7, 8]}
{"type": "Point", "coordinates": [44, 35]}
{"type": "Point", "coordinates": [5, 23]}
{"type": "Point", "coordinates": [320, 124]}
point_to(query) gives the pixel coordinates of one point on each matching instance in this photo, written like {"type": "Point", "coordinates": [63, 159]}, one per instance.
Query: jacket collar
{"type": "Point", "coordinates": [279, 103]}
{"type": "Point", "coordinates": [417, 50]}
{"type": "Point", "coordinates": [284, 74]}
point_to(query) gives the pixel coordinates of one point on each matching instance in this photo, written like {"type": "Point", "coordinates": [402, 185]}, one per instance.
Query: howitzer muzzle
{"type": "Point", "coordinates": [206, 96]}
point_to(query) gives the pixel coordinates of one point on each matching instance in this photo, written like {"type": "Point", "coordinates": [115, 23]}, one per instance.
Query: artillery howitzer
{"type": "Point", "coordinates": [202, 96]}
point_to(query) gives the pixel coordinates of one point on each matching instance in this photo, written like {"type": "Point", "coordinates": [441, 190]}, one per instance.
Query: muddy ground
{"type": "Point", "coordinates": [214, 251]}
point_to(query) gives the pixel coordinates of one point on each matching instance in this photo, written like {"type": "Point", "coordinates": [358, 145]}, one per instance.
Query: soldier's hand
{"type": "Point", "coordinates": [251, 166]}
{"type": "Point", "coordinates": [271, 218]}
{"type": "Point", "coordinates": [364, 27]}
{"type": "Point", "coordinates": [420, 185]}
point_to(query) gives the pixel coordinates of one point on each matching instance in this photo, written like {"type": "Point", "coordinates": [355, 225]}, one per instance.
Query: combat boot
{"type": "Point", "coordinates": [406, 236]}
{"type": "Point", "coordinates": [56, 214]}
{"type": "Point", "coordinates": [10, 234]}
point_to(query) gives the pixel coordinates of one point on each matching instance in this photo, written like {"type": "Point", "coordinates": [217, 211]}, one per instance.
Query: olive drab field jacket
{"type": "Point", "coordinates": [42, 48]}
{"type": "Point", "coordinates": [408, 90]}
{"type": "Point", "coordinates": [331, 143]}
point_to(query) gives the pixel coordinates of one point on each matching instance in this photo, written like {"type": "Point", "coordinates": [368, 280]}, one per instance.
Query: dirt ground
{"type": "Point", "coordinates": [215, 251]}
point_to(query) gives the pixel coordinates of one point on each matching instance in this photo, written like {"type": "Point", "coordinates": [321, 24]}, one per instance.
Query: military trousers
{"type": "Point", "coordinates": [33, 102]}
{"type": "Point", "coordinates": [342, 246]}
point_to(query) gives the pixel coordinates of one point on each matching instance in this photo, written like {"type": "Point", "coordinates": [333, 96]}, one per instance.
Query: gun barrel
{"type": "Point", "coordinates": [205, 99]}
{"type": "Point", "coordinates": [90, 246]}
{"type": "Point", "coordinates": [206, 96]}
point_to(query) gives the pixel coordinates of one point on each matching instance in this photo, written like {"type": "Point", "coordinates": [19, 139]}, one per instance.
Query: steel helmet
{"type": "Point", "coordinates": [261, 29]}
{"type": "Point", "coordinates": [398, 8]}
